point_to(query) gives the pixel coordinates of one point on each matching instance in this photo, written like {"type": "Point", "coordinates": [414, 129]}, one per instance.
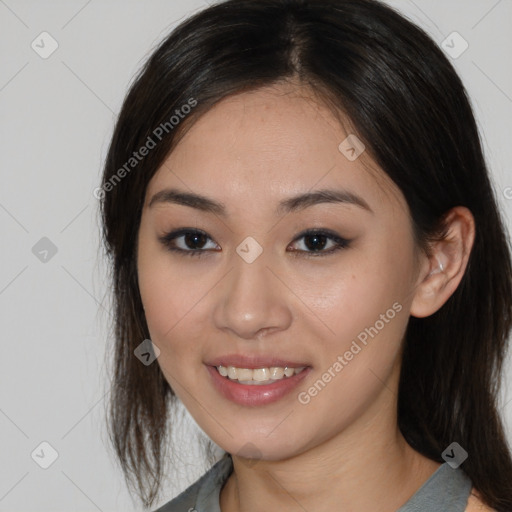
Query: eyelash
{"type": "Point", "coordinates": [340, 243]}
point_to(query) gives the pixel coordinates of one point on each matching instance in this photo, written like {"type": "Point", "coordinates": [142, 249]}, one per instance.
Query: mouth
{"type": "Point", "coordinates": [258, 376]}
{"type": "Point", "coordinates": [259, 384]}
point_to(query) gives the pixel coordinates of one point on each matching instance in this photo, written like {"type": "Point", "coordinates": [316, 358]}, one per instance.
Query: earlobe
{"type": "Point", "coordinates": [446, 264]}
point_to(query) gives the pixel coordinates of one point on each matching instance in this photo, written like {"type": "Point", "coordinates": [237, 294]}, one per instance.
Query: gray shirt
{"type": "Point", "coordinates": [447, 490]}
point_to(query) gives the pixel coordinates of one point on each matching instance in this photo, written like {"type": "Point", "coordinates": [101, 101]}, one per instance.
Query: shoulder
{"type": "Point", "coordinates": [208, 485]}
{"type": "Point", "coordinates": [475, 503]}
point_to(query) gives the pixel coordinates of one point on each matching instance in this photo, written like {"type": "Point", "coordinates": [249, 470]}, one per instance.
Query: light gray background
{"type": "Point", "coordinates": [57, 115]}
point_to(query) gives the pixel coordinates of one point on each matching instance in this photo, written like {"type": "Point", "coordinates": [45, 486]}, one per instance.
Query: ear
{"type": "Point", "coordinates": [442, 271]}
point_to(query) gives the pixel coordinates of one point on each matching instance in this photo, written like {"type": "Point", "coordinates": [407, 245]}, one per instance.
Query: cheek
{"type": "Point", "coordinates": [167, 312]}
{"type": "Point", "coordinates": [358, 299]}
{"type": "Point", "coordinates": [367, 317]}
{"type": "Point", "coordinates": [175, 299]}
{"type": "Point", "coordinates": [366, 311]}
{"type": "Point", "coordinates": [164, 295]}
{"type": "Point", "coordinates": [168, 305]}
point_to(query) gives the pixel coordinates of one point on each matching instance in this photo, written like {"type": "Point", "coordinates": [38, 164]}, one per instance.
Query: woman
{"type": "Point", "coordinates": [300, 219]}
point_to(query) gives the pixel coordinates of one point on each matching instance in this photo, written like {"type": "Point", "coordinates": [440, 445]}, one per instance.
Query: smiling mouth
{"type": "Point", "coordinates": [258, 376]}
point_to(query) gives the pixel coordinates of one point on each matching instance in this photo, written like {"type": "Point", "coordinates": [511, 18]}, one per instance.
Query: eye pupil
{"type": "Point", "coordinates": [316, 237]}
{"type": "Point", "coordinates": [194, 237]}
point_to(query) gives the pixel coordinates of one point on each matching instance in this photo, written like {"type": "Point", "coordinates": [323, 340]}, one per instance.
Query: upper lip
{"type": "Point", "coordinates": [254, 362]}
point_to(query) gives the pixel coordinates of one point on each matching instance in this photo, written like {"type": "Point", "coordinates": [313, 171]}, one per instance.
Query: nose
{"type": "Point", "coordinates": [252, 300]}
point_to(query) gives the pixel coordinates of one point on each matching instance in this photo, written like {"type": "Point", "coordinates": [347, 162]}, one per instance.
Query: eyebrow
{"type": "Point", "coordinates": [291, 204]}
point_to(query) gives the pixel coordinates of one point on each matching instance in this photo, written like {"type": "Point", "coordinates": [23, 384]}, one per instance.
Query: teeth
{"type": "Point", "coordinates": [241, 374]}
{"type": "Point", "coordinates": [261, 374]}
{"type": "Point", "coordinates": [289, 372]}
{"type": "Point", "coordinates": [258, 375]}
{"type": "Point", "coordinates": [276, 372]}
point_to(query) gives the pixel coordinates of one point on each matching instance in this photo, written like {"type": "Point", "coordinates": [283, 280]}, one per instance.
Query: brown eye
{"type": "Point", "coordinates": [191, 241]}
{"type": "Point", "coordinates": [315, 242]}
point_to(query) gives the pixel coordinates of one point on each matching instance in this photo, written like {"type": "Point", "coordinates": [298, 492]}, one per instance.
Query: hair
{"type": "Point", "coordinates": [410, 109]}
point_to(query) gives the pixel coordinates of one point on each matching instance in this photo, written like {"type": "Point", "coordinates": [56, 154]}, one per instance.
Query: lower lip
{"type": "Point", "coordinates": [259, 394]}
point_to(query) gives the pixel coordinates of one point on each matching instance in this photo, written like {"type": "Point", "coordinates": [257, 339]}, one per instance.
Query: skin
{"type": "Point", "coordinates": [343, 449]}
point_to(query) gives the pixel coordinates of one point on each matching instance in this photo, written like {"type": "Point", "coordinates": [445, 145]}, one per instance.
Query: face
{"type": "Point", "coordinates": [257, 281]}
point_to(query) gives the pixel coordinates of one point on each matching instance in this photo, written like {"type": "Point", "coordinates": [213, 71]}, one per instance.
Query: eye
{"type": "Point", "coordinates": [192, 243]}
{"type": "Point", "coordinates": [316, 241]}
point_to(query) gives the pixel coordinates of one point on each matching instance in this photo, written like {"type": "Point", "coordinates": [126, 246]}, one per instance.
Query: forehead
{"type": "Point", "coordinates": [269, 144]}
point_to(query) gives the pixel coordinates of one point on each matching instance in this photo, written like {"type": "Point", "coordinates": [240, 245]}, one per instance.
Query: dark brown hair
{"type": "Point", "coordinates": [410, 109]}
